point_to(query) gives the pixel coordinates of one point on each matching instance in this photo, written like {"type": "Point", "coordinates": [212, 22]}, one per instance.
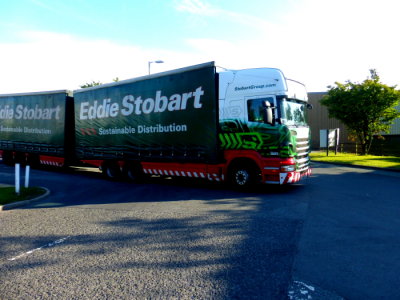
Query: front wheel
{"type": "Point", "coordinates": [243, 176]}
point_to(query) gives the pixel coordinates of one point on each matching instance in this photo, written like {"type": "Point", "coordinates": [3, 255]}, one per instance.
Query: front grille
{"type": "Point", "coordinates": [302, 157]}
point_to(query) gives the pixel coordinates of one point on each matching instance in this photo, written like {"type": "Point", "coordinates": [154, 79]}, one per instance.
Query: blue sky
{"type": "Point", "coordinates": [55, 44]}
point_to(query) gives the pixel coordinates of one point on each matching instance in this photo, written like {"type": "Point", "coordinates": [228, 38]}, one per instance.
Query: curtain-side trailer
{"type": "Point", "coordinates": [37, 128]}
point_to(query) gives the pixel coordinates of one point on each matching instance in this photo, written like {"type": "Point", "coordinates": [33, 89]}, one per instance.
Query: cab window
{"type": "Point", "coordinates": [256, 109]}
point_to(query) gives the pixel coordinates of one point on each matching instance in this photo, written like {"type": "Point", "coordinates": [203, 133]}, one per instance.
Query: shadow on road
{"type": "Point", "coordinates": [239, 244]}
{"type": "Point", "coordinates": [87, 187]}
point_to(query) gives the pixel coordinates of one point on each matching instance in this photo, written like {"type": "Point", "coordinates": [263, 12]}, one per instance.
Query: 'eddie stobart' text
{"type": "Point", "coordinates": [131, 105]}
{"type": "Point", "coordinates": [22, 112]}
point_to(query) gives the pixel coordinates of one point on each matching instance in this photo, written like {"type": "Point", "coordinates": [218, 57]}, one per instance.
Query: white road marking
{"type": "Point", "coordinates": [52, 244]}
{"type": "Point", "coordinates": [311, 288]}
{"type": "Point", "coordinates": [300, 291]}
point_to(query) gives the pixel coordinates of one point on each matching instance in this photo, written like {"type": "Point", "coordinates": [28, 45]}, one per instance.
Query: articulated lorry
{"type": "Point", "coordinates": [245, 126]}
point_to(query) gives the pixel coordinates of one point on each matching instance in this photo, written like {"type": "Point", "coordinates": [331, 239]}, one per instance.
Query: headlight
{"type": "Point", "coordinates": [289, 168]}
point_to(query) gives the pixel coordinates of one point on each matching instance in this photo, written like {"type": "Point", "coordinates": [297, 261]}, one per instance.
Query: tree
{"type": "Point", "coordinates": [95, 83]}
{"type": "Point", "coordinates": [366, 108]}
{"type": "Point", "coordinates": [90, 84]}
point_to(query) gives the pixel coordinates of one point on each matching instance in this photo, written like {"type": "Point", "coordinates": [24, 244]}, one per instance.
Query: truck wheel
{"type": "Point", "coordinates": [33, 161]}
{"type": "Point", "coordinates": [20, 158]}
{"type": "Point", "coordinates": [133, 173]}
{"type": "Point", "coordinates": [243, 176]}
{"type": "Point", "coordinates": [111, 171]}
{"type": "Point", "coordinates": [8, 158]}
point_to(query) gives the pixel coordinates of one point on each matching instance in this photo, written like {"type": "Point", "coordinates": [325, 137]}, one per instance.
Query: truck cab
{"type": "Point", "coordinates": [262, 119]}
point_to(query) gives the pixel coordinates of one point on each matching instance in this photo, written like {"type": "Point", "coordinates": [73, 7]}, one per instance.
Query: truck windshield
{"type": "Point", "coordinates": [293, 112]}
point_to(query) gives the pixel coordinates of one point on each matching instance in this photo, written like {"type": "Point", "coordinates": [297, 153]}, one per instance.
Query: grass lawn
{"type": "Point", "coordinates": [8, 195]}
{"type": "Point", "coordinates": [357, 160]}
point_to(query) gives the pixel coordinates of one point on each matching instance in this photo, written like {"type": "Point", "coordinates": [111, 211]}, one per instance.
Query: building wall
{"type": "Point", "coordinates": [318, 119]}
{"type": "Point", "coordinates": [395, 129]}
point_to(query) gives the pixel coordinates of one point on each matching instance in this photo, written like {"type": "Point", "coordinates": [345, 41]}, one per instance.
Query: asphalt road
{"type": "Point", "coordinates": [333, 235]}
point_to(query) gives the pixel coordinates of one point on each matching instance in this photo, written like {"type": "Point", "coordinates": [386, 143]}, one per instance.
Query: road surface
{"type": "Point", "coordinates": [333, 235]}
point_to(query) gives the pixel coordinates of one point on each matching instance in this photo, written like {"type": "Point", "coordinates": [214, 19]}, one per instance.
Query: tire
{"type": "Point", "coordinates": [33, 161]}
{"type": "Point", "coordinates": [133, 173]}
{"type": "Point", "coordinates": [111, 171]}
{"type": "Point", "coordinates": [8, 158]}
{"type": "Point", "coordinates": [243, 176]}
{"type": "Point", "coordinates": [20, 158]}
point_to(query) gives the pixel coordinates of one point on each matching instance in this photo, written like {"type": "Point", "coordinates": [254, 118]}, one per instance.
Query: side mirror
{"type": "Point", "coordinates": [309, 106]}
{"type": "Point", "coordinates": [269, 115]}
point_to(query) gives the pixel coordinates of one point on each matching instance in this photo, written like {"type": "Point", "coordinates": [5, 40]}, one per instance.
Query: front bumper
{"type": "Point", "coordinates": [282, 171]}
{"type": "Point", "coordinates": [293, 177]}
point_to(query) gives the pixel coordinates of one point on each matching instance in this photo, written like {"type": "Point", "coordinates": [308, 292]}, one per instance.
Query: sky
{"type": "Point", "coordinates": [62, 44]}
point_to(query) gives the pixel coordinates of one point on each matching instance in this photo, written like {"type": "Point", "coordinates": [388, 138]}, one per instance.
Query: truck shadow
{"type": "Point", "coordinates": [73, 187]}
{"type": "Point", "coordinates": [238, 248]}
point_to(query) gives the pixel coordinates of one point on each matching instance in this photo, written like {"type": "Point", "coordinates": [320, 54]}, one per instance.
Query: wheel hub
{"type": "Point", "coordinates": [242, 177]}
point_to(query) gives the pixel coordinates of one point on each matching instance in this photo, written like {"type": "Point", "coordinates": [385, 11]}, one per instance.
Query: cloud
{"type": "Point", "coordinates": [196, 7]}
{"type": "Point", "coordinates": [44, 61]}
{"type": "Point", "coordinates": [316, 43]}
{"type": "Point", "coordinates": [41, 4]}
{"type": "Point", "coordinates": [52, 61]}
{"type": "Point", "coordinates": [312, 41]}
{"type": "Point", "coordinates": [205, 9]}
